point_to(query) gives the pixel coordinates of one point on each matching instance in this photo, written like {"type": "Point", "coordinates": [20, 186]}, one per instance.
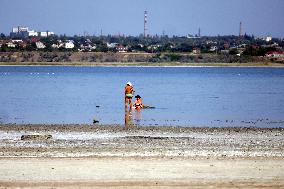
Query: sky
{"type": "Point", "coordinates": [173, 17]}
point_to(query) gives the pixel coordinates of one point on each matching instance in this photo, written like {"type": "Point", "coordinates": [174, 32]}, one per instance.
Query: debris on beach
{"type": "Point", "coordinates": [36, 137]}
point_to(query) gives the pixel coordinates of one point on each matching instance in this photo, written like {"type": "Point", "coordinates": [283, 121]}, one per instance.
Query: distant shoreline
{"type": "Point", "coordinates": [144, 64]}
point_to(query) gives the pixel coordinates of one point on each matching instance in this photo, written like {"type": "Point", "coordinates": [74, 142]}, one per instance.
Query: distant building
{"type": "Point", "coordinates": [20, 29]}
{"type": "Point", "coordinates": [121, 48]}
{"type": "Point", "coordinates": [189, 36]}
{"type": "Point", "coordinates": [55, 46]}
{"type": "Point", "coordinates": [153, 47]}
{"type": "Point", "coordinates": [275, 54]}
{"type": "Point", "coordinates": [11, 45]}
{"type": "Point", "coordinates": [69, 45]}
{"type": "Point", "coordinates": [87, 47]}
{"type": "Point", "coordinates": [268, 38]}
{"type": "Point", "coordinates": [46, 34]}
{"type": "Point", "coordinates": [24, 32]}
{"type": "Point", "coordinates": [17, 41]}
{"type": "Point", "coordinates": [33, 33]}
{"type": "Point", "coordinates": [19, 32]}
{"type": "Point", "coordinates": [40, 45]}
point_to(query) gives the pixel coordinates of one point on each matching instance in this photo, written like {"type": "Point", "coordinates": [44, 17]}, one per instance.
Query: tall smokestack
{"type": "Point", "coordinates": [241, 30]}
{"type": "Point", "coordinates": [145, 23]}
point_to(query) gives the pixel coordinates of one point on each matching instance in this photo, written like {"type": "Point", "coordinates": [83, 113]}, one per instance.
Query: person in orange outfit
{"type": "Point", "coordinates": [129, 91]}
{"type": "Point", "coordinates": [138, 102]}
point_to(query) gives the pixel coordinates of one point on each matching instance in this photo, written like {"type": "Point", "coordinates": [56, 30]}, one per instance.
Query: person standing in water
{"type": "Point", "coordinates": [138, 102]}
{"type": "Point", "coordinates": [138, 106]}
{"type": "Point", "coordinates": [129, 91]}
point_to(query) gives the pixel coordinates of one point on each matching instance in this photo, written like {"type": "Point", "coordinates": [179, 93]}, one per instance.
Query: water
{"type": "Point", "coordinates": [222, 97]}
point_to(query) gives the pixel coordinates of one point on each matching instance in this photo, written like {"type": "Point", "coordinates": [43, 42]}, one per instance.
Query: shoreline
{"type": "Point", "coordinates": [118, 141]}
{"type": "Point", "coordinates": [146, 64]}
{"type": "Point", "coordinates": [119, 127]}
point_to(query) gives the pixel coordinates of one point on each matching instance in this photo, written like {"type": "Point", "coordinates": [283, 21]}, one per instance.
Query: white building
{"type": "Point", "coordinates": [20, 29]}
{"type": "Point", "coordinates": [40, 45]}
{"type": "Point", "coordinates": [46, 34]}
{"type": "Point", "coordinates": [55, 46]}
{"type": "Point", "coordinates": [11, 45]}
{"type": "Point", "coordinates": [58, 44]}
{"type": "Point", "coordinates": [268, 38]}
{"type": "Point", "coordinates": [69, 45]}
{"type": "Point", "coordinates": [24, 32]}
{"type": "Point", "coordinates": [15, 30]}
{"type": "Point", "coordinates": [17, 41]}
{"type": "Point", "coordinates": [33, 33]}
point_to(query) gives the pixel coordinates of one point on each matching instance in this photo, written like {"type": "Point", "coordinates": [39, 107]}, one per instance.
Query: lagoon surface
{"type": "Point", "coordinates": [184, 96]}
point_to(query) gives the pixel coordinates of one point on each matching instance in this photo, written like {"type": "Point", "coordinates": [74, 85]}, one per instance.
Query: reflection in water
{"type": "Point", "coordinates": [137, 116]}
{"type": "Point", "coordinates": [132, 118]}
{"type": "Point", "coordinates": [128, 119]}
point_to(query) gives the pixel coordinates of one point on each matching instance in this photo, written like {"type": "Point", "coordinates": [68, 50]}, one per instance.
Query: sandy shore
{"type": "Point", "coordinates": [140, 173]}
{"type": "Point", "coordinates": [112, 156]}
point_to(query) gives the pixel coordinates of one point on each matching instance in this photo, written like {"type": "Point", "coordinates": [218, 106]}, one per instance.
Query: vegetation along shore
{"type": "Point", "coordinates": [157, 50]}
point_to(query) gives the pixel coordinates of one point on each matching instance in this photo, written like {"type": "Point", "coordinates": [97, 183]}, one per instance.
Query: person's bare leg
{"type": "Point", "coordinates": [126, 119]}
{"type": "Point", "coordinates": [130, 103]}
{"type": "Point", "coordinates": [125, 102]}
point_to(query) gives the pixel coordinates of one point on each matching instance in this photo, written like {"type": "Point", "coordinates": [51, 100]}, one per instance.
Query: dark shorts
{"type": "Point", "coordinates": [129, 96]}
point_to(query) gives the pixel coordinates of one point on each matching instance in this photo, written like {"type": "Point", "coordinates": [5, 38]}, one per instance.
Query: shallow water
{"type": "Point", "coordinates": [223, 97]}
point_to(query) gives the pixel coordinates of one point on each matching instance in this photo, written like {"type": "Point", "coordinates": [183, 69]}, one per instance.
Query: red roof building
{"type": "Point", "coordinates": [275, 54]}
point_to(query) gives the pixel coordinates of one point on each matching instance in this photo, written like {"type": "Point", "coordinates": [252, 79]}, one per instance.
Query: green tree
{"type": "Point", "coordinates": [2, 36]}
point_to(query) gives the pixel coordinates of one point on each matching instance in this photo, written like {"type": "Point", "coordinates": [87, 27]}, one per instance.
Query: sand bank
{"type": "Point", "coordinates": [140, 173]}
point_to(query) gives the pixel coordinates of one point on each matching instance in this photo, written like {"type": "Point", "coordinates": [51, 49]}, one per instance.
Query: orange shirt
{"type": "Point", "coordinates": [128, 89]}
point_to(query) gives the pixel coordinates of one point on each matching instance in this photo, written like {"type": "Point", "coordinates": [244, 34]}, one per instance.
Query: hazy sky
{"type": "Point", "coordinates": [175, 17]}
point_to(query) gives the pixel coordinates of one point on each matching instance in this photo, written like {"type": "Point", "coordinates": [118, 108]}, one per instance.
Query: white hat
{"type": "Point", "coordinates": [129, 83]}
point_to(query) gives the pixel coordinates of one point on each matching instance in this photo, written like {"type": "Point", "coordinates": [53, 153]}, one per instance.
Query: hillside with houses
{"type": "Point", "coordinates": [24, 45]}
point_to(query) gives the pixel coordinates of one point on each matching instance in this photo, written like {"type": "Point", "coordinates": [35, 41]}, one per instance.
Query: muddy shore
{"type": "Point", "coordinates": [115, 140]}
{"type": "Point", "coordinates": [99, 156]}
